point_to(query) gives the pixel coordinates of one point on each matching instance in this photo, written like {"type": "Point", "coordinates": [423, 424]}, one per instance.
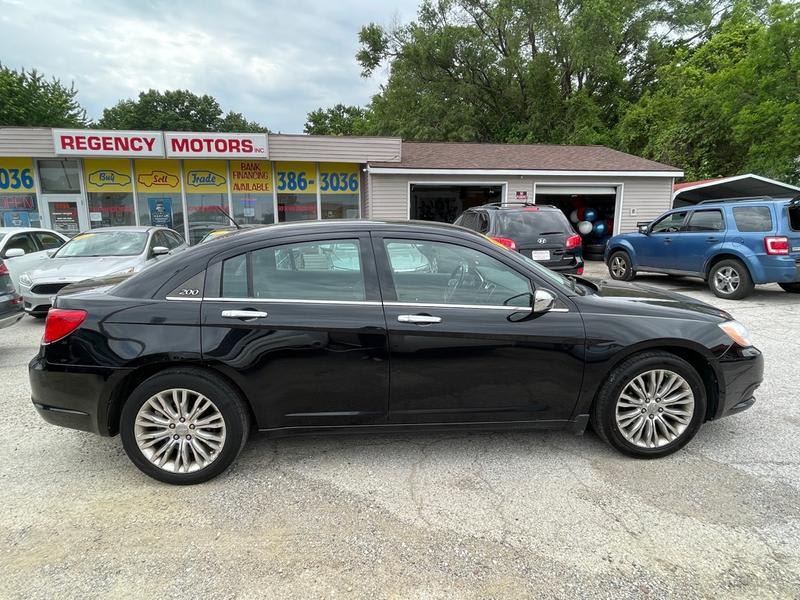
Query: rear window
{"type": "Point", "coordinates": [538, 222]}
{"type": "Point", "coordinates": [753, 218]}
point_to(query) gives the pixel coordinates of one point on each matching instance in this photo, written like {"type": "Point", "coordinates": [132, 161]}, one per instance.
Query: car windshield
{"type": "Point", "coordinates": [106, 243]}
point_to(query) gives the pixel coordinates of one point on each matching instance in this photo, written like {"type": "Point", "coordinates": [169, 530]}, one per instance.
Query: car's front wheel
{"type": "Point", "coordinates": [620, 267]}
{"type": "Point", "coordinates": [651, 405]}
{"type": "Point", "coordinates": [730, 279]}
{"type": "Point", "coordinates": [183, 426]}
{"type": "Point", "coordinates": [793, 288]}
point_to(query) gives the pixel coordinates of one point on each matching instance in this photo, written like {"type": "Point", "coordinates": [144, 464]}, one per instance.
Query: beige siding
{"type": "Point", "coordinates": [26, 141]}
{"type": "Point", "coordinates": [649, 196]}
{"type": "Point", "coordinates": [334, 148]}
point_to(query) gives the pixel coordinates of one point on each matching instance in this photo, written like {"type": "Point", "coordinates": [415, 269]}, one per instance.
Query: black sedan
{"type": "Point", "coordinates": [357, 326]}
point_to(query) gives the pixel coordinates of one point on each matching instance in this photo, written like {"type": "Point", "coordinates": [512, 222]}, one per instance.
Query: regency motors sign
{"type": "Point", "coordinates": [82, 142]}
{"type": "Point", "coordinates": [216, 145]}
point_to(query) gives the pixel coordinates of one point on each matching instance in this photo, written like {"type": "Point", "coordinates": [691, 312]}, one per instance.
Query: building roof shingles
{"type": "Point", "coordinates": [538, 157]}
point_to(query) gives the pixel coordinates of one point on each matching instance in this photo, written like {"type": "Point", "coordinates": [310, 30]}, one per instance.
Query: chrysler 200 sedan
{"type": "Point", "coordinates": [357, 326]}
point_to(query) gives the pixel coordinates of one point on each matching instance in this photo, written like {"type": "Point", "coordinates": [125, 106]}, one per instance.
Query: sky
{"type": "Point", "coordinates": [274, 61]}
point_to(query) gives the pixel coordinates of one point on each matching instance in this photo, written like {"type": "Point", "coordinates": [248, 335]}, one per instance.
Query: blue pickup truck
{"type": "Point", "coordinates": [732, 244]}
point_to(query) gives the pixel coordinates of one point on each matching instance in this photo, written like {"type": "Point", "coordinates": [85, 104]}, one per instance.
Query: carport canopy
{"type": "Point", "coordinates": [740, 186]}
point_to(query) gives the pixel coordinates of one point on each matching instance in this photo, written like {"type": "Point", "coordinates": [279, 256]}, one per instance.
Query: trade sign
{"type": "Point", "coordinates": [216, 145]}
{"type": "Point", "coordinates": [97, 142]}
{"type": "Point", "coordinates": [204, 176]}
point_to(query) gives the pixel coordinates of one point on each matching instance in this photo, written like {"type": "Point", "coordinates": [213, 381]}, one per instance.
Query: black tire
{"type": "Point", "coordinates": [603, 416]}
{"type": "Point", "coordinates": [792, 288]}
{"type": "Point", "coordinates": [624, 260]}
{"type": "Point", "coordinates": [226, 400]}
{"type": "Point", "coordinates": [743, 288]}
{"type": "Point", "coordinates": [38, 315]}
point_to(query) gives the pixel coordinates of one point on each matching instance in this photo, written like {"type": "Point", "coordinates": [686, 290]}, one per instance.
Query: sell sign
{"type": "Point", "coordinates": [84, 142]}
{"type": "Point", "coordinates": [216, 145]}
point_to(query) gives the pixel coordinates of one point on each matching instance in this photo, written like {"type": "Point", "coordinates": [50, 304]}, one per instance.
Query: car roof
{"type": "Point", "coordinates": [139, 228]}
{"type": "Point", "coordinates": [6, 230]}
{"type": "Point", "coordinates": [512, 206]}
{"type": "Point", "coordinates": [719, 202]}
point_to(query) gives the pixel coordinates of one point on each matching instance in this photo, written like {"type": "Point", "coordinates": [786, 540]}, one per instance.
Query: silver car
{"type": "Point", "coordinates": [102, 252]}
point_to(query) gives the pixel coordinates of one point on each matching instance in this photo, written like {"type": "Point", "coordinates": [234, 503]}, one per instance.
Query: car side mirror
{"type": "Point", "coordinates": [543, 301]}
{"type": "Point", "coordinates": [644, 228]}
{"type": "Point", "coordinates": [15, 252]}
{"type": "Point", "coordinates": [160, 250]}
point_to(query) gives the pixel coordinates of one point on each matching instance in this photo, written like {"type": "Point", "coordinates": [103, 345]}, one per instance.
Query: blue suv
{"type": "Point", "coordinates": [732, 244]}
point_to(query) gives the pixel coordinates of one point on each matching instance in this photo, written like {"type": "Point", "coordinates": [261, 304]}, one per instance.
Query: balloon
{"type": "Point", "coordinates": [581, 210]}
{"type": "Point", "coordinates": [585, 227]}
{"type": "Point", "coordinates": [600, 228]}
{"type": "Point", "coordinates": [590, 214]}
{"type": "Point", "coordinates": [573, 216]}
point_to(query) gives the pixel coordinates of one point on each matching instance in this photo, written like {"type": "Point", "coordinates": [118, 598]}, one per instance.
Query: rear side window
{"type": "Point", "coordinates": [706, 220]}
{"type": "Point", "coordinates": [753, 218]}
{"type": "Point", "coordinates": [326, 270]}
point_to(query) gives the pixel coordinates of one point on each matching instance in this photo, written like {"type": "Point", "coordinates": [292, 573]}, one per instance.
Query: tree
{"type": "Point", "coordinates": [338, 120]}
{"type": "Point", "coordinates": [174, 110]}
{"type": "Point", "coordinates": [27, 99]}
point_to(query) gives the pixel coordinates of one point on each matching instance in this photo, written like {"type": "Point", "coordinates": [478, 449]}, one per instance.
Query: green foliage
{"type": "Point", "coordinates": [174, 110]}
{"type": "Point", "coordinates": [27, 99]}
{"type": "Point", "coordinates": [338, 120]}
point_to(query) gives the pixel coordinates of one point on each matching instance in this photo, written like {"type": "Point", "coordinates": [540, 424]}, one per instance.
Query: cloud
{"type": "Point", "coordinates": [272, 61]}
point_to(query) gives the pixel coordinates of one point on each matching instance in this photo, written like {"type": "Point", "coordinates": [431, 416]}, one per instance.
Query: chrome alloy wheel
{"type": "Point", "coordinates": [655, 408]}
{"type": "Point", "coordinates": [180, 431]}
{"type": "Point", "coordinates": [618, 266]}
{"type": "Point", "coordinates": [727, 280]}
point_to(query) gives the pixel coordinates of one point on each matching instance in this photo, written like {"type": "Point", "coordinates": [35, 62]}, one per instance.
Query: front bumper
{"type": "Point", "coordinates": [740, 372]}
{"type": "Point", "coordinates": [74, 397]}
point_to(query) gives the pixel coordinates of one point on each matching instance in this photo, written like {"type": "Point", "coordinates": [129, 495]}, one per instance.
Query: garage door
{"type": "Point", "coordinates": [575, 190]}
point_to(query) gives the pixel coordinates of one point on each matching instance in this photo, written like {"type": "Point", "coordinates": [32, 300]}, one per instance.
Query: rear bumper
{"type": "Point", "coordinates": [73, 397]}
{"type": "Point", "coordinates": [776, 269]}
{"type": "Point", "coordinates": [740, 372]}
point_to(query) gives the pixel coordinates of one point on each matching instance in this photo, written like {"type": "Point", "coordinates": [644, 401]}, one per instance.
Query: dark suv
{"type": "Point", "coordinates": [540, 232]}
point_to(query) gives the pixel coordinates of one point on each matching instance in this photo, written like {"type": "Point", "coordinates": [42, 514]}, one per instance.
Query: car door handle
{"type": "Point", "coordinates": [712, 239]}
{"type": "Point", "coordinates": [243, 314]}
{"type": "Point", "coordinates": [419, 319]}
{"type": "Point", "coordinates": [667, 240]}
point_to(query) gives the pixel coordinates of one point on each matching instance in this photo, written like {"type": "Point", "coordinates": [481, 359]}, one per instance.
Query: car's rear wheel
{"type": "Point", "coordinates": [620, 267]}
{"type": "Point", "coordinates": [650, 406]}
{"type": "Point", "coordinates": [183, 426]}
{"type": "Point", "coordinates": [793, 288]}
{"type": "Point", "coordinates": [730, 279]}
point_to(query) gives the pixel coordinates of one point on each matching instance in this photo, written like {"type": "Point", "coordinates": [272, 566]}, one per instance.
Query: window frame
{"type": "Point", "coordinates": [40, 244]}
{"type": "Point", "coordinates": [666, 216]}
{"type": "Point", "coordinates": [688, 221]}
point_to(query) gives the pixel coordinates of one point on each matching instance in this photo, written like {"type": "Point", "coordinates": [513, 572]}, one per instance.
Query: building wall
{"type": "Point", "coordinates": [643, 198]}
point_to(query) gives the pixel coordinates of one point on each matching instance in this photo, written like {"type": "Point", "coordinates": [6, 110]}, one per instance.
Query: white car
{"type": "Point", "coordinates": [23, 248]}
{"type": "Point", "coordinates": [105, 252]}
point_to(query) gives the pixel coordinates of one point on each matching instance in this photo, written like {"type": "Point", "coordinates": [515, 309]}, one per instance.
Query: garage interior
{"type": "Point", "coordinates": [444, 203]}
{"type": "Point", "coordinates": [591, 211]}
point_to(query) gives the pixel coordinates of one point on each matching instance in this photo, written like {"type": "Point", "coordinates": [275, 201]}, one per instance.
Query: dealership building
{"type": "Point", "coordinates": [74, 180]}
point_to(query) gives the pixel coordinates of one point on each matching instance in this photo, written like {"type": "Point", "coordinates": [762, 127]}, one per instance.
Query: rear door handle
{"type": "Point", "coordinates": [712, 239]}
{"type": "Point", "coordinates": [667, 240]}
{"type": "Point", "coordinates": [419, 319]}
{"type": "Point", "coordinates": [243, 314]}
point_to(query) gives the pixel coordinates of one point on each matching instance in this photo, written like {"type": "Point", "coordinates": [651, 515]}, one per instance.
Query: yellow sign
{"type": "Point", "coordinates": [296, 177]}
{"type": "Point", "coordinates": [157, 175]}
{"type": "Point", "coordinates": [251, 176]}
{"type": "Point", "coordinates": [16, 175]}
{"type": "Point", "coordinates": [338, 178]}
{"type": "Point", "coordinates": [108, 175]}
{"type": "Point", "coordinates": [205, 176]}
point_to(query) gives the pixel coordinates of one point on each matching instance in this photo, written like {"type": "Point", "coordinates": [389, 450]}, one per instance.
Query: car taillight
{"type": "Point", "coordinates": [508, 243]}
{"type": "Point", "coordinates": [579, 271]}
{"type": "Point", "coordinates": [776, 245]}
{"type": "Point", "coordinates": [3, 268]}
{"type": "Point", "coordinates": [530, 209]}
{"type": "Point", "coordinates": [573, 241]}
{"type": "Point", "coordinates": [61, 322]}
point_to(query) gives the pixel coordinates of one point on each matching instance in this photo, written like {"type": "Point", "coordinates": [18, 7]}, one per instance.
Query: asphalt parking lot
{"type": "Point", "coordinates": [477, 515]}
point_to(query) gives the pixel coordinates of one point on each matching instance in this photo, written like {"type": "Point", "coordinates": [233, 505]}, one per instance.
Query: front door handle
{"type": "Point", "coordinates": [419, 319]}
{"type": "Point", "coordinates": [243, 314]}
{"type": "Point", "coordinates": [667, 240]}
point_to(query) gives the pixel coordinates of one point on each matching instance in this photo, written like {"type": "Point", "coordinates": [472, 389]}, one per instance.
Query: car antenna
{"type": "Point", "coordinates": [230, 218]}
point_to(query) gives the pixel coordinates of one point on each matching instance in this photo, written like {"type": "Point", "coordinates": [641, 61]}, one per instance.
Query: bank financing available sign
{"type": "Point", "coordinates": [216, 145]}
{"type": "Point", "coordinates": [96, 142]}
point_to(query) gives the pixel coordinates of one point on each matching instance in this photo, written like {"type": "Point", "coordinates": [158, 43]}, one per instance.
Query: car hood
{"type": "Point", "coordinates": [78, 268]}
{"type": "Point", "coordinates": [641, 299]}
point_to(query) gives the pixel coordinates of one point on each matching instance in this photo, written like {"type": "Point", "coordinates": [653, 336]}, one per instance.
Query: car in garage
{"type": "Point", "coordinates": [732, 244]}
{"type": "Point", "coordinates": [22, 248]}
{"type": "Point", "coordinates": [327, 327]}
{"type": "Point", "coordinates": [540, 232]}
{"type": "Point", "coordinates": [105, 252]}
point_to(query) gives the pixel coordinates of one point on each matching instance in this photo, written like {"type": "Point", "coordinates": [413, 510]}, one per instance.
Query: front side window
{"type": "Point", "coordinates": [48, 241]}
{"type": "Point", "coordinates": [23, 241]}
{"type": "Point", "coordinates": [753, 218]}
{"type": "Point", "coordinates": [322, 270]}
{"type": "Point", "coordinates": [706, 220]}
{"type": "Point", "coordinates": [99, 243]}
{"type": "Point", "coordinates": [442, 273]}
{"type": "Point", "coordinates": [669, 224]}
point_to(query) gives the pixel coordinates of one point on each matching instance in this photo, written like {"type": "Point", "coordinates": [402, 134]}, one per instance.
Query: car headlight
{"type": "Point", "coordinates": [25, 280]}
{"type": "Point", "coordinates": [737, 332]}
